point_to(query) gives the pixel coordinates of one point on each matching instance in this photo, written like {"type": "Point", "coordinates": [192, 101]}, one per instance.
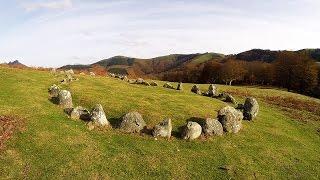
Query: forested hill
{"type": "Point", "coordinates": [138, 66]}
{"type": "Point", "coordinates": [294, 70]}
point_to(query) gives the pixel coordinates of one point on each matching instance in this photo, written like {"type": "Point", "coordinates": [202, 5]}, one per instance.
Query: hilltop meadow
{"type": "Point", "coordinates": [43, 142]}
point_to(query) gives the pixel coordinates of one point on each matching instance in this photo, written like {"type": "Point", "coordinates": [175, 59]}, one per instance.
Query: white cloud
{"type": "Point", "coordinates": [56, 4]}
{"type": "Point", "coordinates": [92, 30]}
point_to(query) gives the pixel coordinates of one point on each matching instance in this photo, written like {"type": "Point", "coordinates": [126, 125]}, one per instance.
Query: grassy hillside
{"type": "Point", "coordinates": [283, 142]}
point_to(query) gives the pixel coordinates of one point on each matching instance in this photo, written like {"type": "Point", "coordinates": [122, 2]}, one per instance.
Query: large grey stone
{"type": "Point", "coordinates": [65, 99]}
{"type": "Point", "coordinates": [80, 113]}
{"type": "Point", "coordinates": [250, 108]}
{"type": "Point", "coordinates": [163, 129]}
{"type": "Point", "coordinates": [195, 89]}
{"type": "Point", "coordinates": [98, 116]}
{"type": "Point", "coordinates": [191, 131]}
{"type": "Point", "coordinates": [54, 91]}
{"type": "Point", "coordinates": [231, 119]}
{"type": "Point", "coordinates": [212, 127]}
{"type": "Point", "coordinates": [132, 122]}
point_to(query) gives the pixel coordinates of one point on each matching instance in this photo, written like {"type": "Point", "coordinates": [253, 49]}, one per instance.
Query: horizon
{"type": "Point", "coordinates": [53, 33]}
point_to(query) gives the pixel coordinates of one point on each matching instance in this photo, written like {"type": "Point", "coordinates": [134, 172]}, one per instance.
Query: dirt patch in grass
{"type": "Point", "coordinates": [8, 126]}
{"type": "Point", "coordinates": [293, 103]}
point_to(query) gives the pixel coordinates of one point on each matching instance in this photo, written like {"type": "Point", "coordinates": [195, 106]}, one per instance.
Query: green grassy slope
{"type": "Point", "coordinates": [275, 145]}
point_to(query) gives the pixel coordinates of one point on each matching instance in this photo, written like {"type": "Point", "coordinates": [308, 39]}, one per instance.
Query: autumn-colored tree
{"type": "Point", "coordinates": [259, 72]}
{"type": "Point", "coordinates": [296, 72]}
{"type": "Point", "coordinates": [98, 70]}
{"type": "Point", "coordinates": [232, 70]}
{"type": "Point", "coordinates": [210, 72]}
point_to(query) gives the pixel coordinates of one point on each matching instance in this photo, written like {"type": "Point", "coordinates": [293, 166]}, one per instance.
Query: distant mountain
{"type": "Point", "coordinates": [270, 56]}
{"type": "Point", "coordinates": [177, 62]}
{"type": "Point", "coordinates": [157, 65]}
{"type": "Point", "coordinates": [16, 63]}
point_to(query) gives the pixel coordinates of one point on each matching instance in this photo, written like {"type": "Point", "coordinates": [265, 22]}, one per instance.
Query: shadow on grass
{"type": "Point", "coordinates": [178, 133]}
{"type": "Point", "coordinates": [115, 122]}
{"type": "Point", "coordinates": [54, 100]}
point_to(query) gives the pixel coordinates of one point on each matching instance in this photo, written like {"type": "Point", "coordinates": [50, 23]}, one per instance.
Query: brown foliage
{"type": "Point", "coordinates": [98, 70]}
{"type": "Point", "coordinates": [296, 72]}
{"type": "Point", "coordinates": [8, 125]}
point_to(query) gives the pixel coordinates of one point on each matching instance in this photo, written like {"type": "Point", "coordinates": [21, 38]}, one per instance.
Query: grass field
{"type": "Point", "coordinates": [283, 142]}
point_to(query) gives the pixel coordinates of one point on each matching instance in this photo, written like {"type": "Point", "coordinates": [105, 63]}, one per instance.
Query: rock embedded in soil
{"type": "Point", "coordinates": [132, 122]}
{"type": "Point", "coordinates": [98, 116]}
{"type": "Point", "coordinates": [65, 99]}
{"type": "Point", "coordinates": [80, 113]}
{"type": "Point", "coordinates": [163, 129]}
{"type": "Point", "coordinates": [231, 119]}
{"type": "Point", "coordinates": [191, 131]}
{"type": "Point", "coordinates": [212, 127]}
{"type": "Point", "coordinates": [195, 89]}
{"type": "Point", "coordinates": [250, 108]}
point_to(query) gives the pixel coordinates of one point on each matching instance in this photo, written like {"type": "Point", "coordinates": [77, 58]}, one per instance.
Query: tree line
{"type": "Point", "coordinates": [293, 71]}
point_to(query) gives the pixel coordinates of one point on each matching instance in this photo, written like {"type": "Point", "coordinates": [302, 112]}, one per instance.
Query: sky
{"type": "Point", "coordinates": [52, 33]}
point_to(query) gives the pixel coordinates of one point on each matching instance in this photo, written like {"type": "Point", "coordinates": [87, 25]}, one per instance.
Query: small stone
{"type": "Point", "coordinates": [80, 113]}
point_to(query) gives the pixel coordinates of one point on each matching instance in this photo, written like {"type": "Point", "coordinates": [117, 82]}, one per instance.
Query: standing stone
{"type": "Point", "coordinates": [180, 86]}
{"type": "Point", "coordinates": [92, 74]}
{"type": "Point", "coordinates": [98, 116]}
{"type": "Point", "coordinates": [212, 90]}
{"type": "Point", "coordinates": [195, 89]}
{"type": "Point", "coordinates": [250, 108]}
{"type": "Point", "coordinates": [80, 113]}
{"type": "Point", "coordinates": [163, 129]}
{"type": "Point", "coordinates": [231, 119]}
{"type": "Point", "coordinates": [65, 99]}
{"type": "Point", "coordinates": [168, 85]}
{"type": "Point", "coordinates": [132, 123]}
{"type": "Point", "coordinates": [191, 131]}
{"type": "Point", "coordinates": [213, 127]}
{"type": "Point", "coordinates": [54, 91]}
{"type": "Point", "coordinates": [153, 83]}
